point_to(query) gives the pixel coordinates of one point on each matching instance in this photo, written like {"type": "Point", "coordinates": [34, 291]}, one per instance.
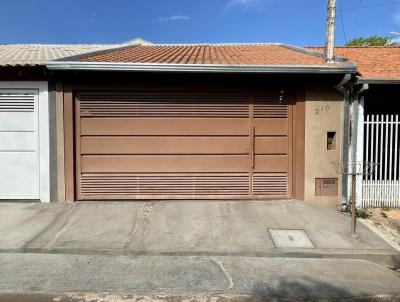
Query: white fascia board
{"type": "Point", "coordinates": [107, 66]}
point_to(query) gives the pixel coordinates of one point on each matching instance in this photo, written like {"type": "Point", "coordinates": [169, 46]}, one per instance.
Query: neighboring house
{"type": "Point", "coordinates": [230, 121]}
{"type": "Point", "coordinates": [27, 119]}
{"type": "Point", "coordinates": [376, 122]}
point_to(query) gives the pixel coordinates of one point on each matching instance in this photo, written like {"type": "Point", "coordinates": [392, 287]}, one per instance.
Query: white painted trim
{"type": "Point", "coordinates": [44, 135]}
{"type": "Point", "coordinates": [360, 148]}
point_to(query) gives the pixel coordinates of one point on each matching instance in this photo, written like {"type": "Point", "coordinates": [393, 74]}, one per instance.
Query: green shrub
{"type": "Point", "coordinates": [360, 212]}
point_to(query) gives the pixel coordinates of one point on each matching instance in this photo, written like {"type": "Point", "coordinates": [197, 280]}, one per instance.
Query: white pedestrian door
{"type": "Point", "coordinates": [19, 144]}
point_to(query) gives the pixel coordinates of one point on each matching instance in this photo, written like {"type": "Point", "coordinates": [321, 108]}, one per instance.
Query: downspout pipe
{"type": "Point", "coordinates": [358, 96]}
{"type": "Point", "coordinates": [345, 89]}
{"type": "Point", "coordinates": [357, 139]}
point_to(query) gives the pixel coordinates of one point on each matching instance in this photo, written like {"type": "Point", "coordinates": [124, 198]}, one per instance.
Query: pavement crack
{"type": "Point", "coordinates": [222, 268]}
{"type": "Point", "coordinates": [210, 224]}
{"type": "Point", "coordinates": [56, 225]}
{"type": "Point", "coordinates": [142, 214]}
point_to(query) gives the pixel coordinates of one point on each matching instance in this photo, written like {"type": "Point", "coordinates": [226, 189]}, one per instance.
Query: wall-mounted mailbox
{"type": "Point", "coordinates": [326, 187]}
{"type": "Point", "coordinates": [331, 140]}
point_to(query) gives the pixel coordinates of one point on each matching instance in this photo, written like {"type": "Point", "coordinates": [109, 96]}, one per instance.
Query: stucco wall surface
{"type": "Point", "coordinates": [323, 113]}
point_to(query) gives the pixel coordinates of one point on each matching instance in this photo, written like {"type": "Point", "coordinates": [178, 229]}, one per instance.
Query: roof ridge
{"type": "Point", "coordinates": [98, 52]}
{"type": "Point", "coordinates": [368, 47]}
{"type": "Point", "coordinates": [41, 44]}
{"type": "Point", "coordinates": [213, 44]}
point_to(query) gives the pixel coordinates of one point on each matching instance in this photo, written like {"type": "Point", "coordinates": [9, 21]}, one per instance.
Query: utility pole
{"type": "Point", "coordinates": [330, 32]}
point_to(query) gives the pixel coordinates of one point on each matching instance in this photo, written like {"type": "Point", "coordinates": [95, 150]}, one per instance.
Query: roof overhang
{"type": "Point", "coordinates": [382, 81]}
{"type": "Point", "coordinates": [153, 67]}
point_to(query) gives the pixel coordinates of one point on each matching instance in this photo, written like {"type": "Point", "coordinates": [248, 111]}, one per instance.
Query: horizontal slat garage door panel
{"type": "Point", "coordinates": [164, 126]}
{"type": "Point", "coordinates": [271, 163]}
{"type": "Point", "coordinates": [165, 163]}
{"type": "Point", "coordinates": [270, 184]}
{"type": "Point", "coordinates": [130, 185]}
{"type": "Point", "coordinates": [270, 108]}
{"type": "Point", "coordinates": [139, 145]}
{"type": "Point", "coordinates": [145, 106]}
{"type": "Point", "coordinates": [271, 126]}
{"type": "Point", "coordinates": [164, 145]}
{"type": "Point", "coordinates": [271, 145]}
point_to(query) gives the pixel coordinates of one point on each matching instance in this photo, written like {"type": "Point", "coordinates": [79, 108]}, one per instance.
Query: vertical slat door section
{"type": "Point", "coordinates": [134, 145]}
{"type": "Point", "coordinates": [271, 136]}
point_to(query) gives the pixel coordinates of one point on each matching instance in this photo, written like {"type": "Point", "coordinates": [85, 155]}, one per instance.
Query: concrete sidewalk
{"type": "Point", "coordinates": [189, 251]}
{"type": "Point", "coordinates": [191, 228]}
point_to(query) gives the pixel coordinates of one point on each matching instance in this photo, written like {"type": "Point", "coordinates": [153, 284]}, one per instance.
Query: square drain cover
{"type": "Point", "coordinates": [290, 238]}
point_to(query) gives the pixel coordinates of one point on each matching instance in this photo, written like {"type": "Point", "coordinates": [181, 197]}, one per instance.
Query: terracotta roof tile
{"type": "Point", "coordinates": [373, 62]}
{"type": "Point", "coordinates": [40, 54]}
{"type": "Point", "coordinates": [239, 54]}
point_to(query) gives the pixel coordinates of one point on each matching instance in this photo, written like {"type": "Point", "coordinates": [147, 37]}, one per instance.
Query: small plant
{"type": "Point", "coordinates": [360, 212]}
{"type": "Point", "coordinates": [385, 209]}
{"type": "Point", "coordinates": [363, 213]}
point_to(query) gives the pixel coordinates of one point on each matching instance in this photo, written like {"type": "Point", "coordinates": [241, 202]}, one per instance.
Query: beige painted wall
{"type": "Point", "coordinates": [60, 142]}
{"type": "Point", "coordinates": [324, 112]}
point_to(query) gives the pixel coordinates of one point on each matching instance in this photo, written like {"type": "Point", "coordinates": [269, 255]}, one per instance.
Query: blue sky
{"type": "Point", "coordinates": [299, 22]}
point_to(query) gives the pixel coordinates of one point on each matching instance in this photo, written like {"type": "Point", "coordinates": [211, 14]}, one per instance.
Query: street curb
{"type": "Point", "coordinates": [168, 297]}
{"type": "Point", "coordinates": [387, 258]}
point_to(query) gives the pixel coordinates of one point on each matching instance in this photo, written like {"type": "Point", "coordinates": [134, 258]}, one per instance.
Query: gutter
{"type": "Point", "coordinates": [346, 135]}
{"type": "Point", "coordinates": [388, 81]}
{"type": "Point", "coordinates": [153, 67]}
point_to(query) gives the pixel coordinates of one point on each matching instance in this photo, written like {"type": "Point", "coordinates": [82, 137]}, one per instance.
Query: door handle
{"type": "Point", "coordinates": [253, 147]}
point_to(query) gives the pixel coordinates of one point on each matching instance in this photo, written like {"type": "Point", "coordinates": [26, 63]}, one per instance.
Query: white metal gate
{"type": "Point", "coordinates": [19, 144]}
{"type": "Point", "coordinates": [381, 145]}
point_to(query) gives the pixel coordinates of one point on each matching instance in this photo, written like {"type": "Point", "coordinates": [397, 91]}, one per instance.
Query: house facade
{"type": "Point", "coordinates": [253, 121]}
{"type": "Point", "coordinates": [375, 117]}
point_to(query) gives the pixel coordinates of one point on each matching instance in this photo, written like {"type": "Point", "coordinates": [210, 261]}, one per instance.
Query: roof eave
{"type": "Point", "coordinates": [153, 67]}
{"type": "Point", "coordinates": [383, 81]}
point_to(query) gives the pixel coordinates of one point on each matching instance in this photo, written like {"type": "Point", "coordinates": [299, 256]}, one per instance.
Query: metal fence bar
{"type": "Point", "coordinates": [381, 125]}
{"type": "Point", "coordinates": [385, 159]}
{"type": "Point", "coordinates": [366, 153]}
{"type": "Point", "coordinates": [396, 151]}
{"type": "Point", "coordinates": [374, 143]}
{"type": "Point", "coordinates": [391, 147]}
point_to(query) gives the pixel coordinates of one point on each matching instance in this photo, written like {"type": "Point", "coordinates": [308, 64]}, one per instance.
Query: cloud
{"type": "Point", "coordinates": [173, 18]}
{"type": "Point", "coordinates": [244, 4]}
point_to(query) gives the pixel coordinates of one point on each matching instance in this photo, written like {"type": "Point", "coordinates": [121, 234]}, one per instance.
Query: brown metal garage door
{"type": "Point", "coordinates": [175, 146]}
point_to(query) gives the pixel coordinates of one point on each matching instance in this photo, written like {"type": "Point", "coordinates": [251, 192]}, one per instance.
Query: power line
{"type": "Point", "coordinates": [372, 5]}
{"type": "Point", "coordinates": [341, 19]}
